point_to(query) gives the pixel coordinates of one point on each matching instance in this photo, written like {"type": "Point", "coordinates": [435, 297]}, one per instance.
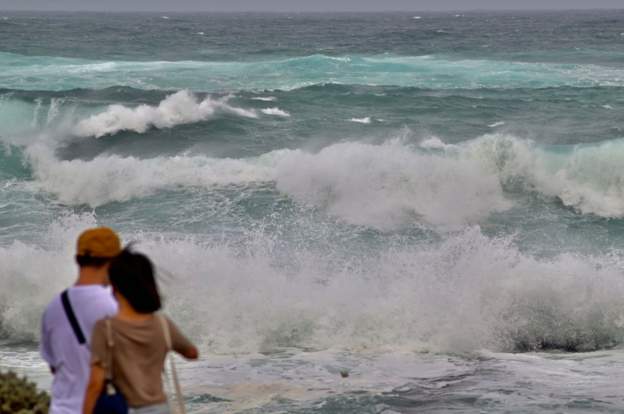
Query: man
{"type": "Point", "coordinates": [69, 319]}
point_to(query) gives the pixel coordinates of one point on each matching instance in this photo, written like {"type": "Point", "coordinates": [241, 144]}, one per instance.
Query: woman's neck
{"type": "Point", "coordinates": [127, 312]}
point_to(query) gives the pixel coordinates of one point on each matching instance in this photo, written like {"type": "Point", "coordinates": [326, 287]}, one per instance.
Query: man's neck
{"type": "Point", "coordinates": [91, 276]}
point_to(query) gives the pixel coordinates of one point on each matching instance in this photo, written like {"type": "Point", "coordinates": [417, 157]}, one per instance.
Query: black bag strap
{"type": "Point", "coordinates": [71, 316]}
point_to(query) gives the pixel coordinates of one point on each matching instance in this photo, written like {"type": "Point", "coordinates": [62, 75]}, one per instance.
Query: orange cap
{"type": "Point", "coordinates": [98, 242]}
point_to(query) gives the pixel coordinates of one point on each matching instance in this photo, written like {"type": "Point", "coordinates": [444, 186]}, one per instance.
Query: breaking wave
{"type": "Point", "coordinates": [66, 116]}
{"type": "Point", "coordinates": [395, 183]}
{"type": "Point", "coordinates": [585, 177]}
{"type": "Point", "coordinates": [71, 116]}
{"type": "Point", "coordinates": [109, 178]}
{"type": "Point", "coordinates": [177, 109]}
{"type": "Point", "coordinates": [466, 293]}
{"type": "Point", "coordinates": [389, 185]}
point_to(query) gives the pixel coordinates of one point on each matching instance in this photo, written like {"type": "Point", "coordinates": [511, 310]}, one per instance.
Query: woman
{"type": "Point", "coordinates": [138, 337]}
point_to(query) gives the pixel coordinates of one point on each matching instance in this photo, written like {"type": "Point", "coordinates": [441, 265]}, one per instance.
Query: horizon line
{"type": "Point", "coordinates": [317, 11]}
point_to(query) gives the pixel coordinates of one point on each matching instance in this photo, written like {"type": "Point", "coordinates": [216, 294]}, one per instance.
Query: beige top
{"type": "Point", "coordinates": [138, 357]}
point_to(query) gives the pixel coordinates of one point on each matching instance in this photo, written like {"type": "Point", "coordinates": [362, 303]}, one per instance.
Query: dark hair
{"type": "Point", "coordinates": [132, 275]}
{"type": "Point", "coordinates": [90, 261]}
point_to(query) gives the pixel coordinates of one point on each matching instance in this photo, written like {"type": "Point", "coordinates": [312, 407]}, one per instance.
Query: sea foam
{"type": "Point", "coordinates": [465, 293]}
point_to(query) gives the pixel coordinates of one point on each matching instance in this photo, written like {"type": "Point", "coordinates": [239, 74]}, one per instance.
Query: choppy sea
{"type": "Point", "coordinates": [431, 202]}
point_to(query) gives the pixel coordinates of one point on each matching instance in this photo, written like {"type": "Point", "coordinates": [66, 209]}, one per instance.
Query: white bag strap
{"type": "Point", "coordinates": [166, 332]}
{"type": "Point", "coordinates": [179, 401]}
{"type": "Point", "coordinates": [110, 344]}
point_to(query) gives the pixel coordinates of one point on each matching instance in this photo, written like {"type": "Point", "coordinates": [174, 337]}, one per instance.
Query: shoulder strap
{"type": "Point", "coordinates": [109, 351]}
{"type": "Point", "coordinates": [71, 317]}
{"type": "Point", "coordinates": [166, 332]}
{"type": "Point", "coordinates": [177, 406]}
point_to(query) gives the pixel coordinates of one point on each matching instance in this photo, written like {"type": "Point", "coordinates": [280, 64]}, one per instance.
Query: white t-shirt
{"type": "Point", "coordinates": [60, 347]}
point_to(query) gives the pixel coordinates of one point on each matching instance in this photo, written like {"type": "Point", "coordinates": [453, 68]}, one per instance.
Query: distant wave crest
{"type": "Point", "coordinates": [428, 72]}
{"type": "Point", "coordinates": [180, 108]}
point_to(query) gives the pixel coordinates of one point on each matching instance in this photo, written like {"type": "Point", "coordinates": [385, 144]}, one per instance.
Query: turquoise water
{"type": "Point", "coordinates": [433, 202]}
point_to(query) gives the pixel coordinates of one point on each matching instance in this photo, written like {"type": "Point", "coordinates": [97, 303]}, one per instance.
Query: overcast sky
{"type": "Point", "coordinates": [301, 5]}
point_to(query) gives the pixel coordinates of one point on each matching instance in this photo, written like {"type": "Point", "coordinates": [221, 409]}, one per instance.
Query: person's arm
{"type": "Point", "coordinates": [98, 367]}
{"type": "Point", "coordinates": [181, 344]}
{"type": "Point", "coordinates": [94, 389]}
{"type": "Point", "coordinates": [191, 352]}
{"type": "Point", "coordinates": [44, 347]}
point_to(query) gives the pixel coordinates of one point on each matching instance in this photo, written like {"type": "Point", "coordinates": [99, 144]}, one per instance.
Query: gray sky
{"type": "Point", "coordinates": [302, 5]}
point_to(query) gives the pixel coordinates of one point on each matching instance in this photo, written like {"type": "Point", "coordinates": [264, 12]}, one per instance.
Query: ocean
{"type": "Point", "coordinates": [431, 202]}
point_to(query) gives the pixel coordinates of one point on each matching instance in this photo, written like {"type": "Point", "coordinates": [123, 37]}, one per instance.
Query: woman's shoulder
{"type": "Point", "coordinates": [172, 325]}
{"type": "Point", "coordinates": [98, 334]}
{"type": "Point", "coordinates": [101, 324]}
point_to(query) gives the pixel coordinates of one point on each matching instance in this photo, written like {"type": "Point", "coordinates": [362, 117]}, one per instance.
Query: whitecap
{"type": "Point", "coordinates": [497, 124]}
{"type": "Point", "coordinates": [275, 111]}
{"type": "Point", "coordinates": [264, 98]}
{"type": "Point", "coordinates": [365, 120]}
{"type": "Point", "coordinates": [434, 143]}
